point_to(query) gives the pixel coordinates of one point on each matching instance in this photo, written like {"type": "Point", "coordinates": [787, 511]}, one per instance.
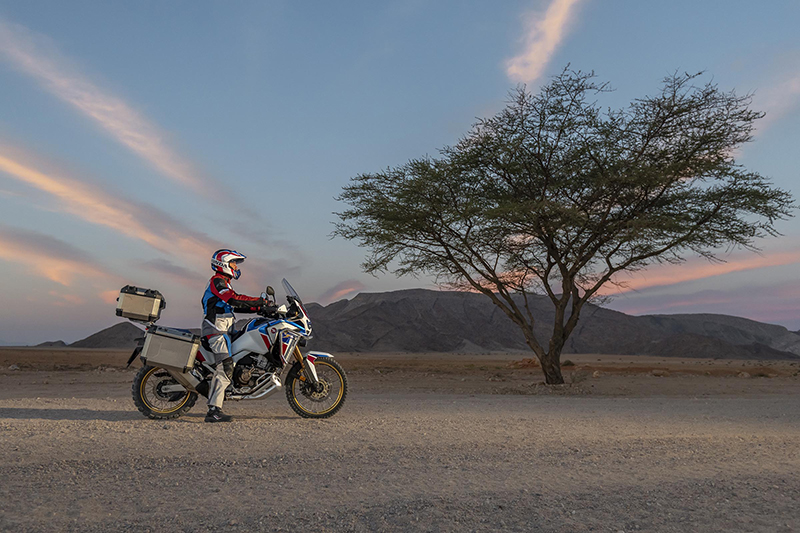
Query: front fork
{"type": "Point", "coordinates": [306, 364]}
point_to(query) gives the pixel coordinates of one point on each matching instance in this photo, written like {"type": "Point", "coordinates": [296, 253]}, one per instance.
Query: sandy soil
{"type": "Point", "coordinates": [425, 442]}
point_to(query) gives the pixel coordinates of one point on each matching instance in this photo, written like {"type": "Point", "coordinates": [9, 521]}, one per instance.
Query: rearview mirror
{"type": "Point", "coordinates": [270, 290]}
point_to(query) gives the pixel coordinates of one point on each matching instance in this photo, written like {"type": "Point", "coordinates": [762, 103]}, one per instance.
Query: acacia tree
{"type": "Point", "coordinates": [555, 196]}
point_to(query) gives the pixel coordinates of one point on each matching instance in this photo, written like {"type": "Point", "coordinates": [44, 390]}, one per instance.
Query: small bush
{"type": "Point", "coordinates": [577, 376]}
{"type": "Point", "coordinates": [567, 363]}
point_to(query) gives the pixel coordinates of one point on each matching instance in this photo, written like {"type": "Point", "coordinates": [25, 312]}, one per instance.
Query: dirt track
{"type": "Point", "coordinates": [410, 450]}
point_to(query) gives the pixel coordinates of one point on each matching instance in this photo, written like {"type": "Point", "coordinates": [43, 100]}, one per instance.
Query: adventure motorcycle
{"type": "Point", "coordinates": [315, 384]}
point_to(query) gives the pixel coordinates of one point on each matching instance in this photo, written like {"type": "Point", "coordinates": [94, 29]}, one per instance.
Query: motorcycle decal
{"type": "Point", "coordinates": [266, 341]}
{"type": "Point", "coordinates": [287, 342]}
{"type": "Point", "coordinates": [319, 354]}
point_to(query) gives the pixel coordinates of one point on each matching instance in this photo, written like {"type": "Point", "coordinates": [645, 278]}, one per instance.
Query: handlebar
{"type": "Point", "coordinates": [272, 310]}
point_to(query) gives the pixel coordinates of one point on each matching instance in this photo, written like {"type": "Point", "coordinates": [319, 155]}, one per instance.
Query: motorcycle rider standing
{"type": "Point", "coordinates": [219, 302]}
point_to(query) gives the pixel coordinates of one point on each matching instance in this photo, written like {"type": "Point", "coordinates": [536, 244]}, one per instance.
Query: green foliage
{"type": "Point", "coordinates": [555, 195]}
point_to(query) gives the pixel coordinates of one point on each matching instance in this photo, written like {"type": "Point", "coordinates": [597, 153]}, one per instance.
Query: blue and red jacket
{"type": "Point", "coordinates": [220, 301]}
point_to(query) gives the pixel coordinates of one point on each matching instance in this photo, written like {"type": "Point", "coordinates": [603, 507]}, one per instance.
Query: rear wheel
{"type": "Point", "coordinates": [322, 399]}
{"type": "Point", "coordinates": [157, 395]}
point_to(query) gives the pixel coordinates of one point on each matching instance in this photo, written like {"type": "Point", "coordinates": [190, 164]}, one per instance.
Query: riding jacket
{"type": "Point", "coordinates": [219, 303]}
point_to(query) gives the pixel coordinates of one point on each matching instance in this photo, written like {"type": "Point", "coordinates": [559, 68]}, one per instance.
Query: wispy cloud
{"type": "Point", "coordinates": [176, 272]}
{"type": "Point", "coordinates": [51, 258]}
{"type": "Point", "coordinates": [37, 56]}
{"type": "Point", "coordinates": [778, 100]}
{"type": "Point", "coordinates": [666, 275]}
{"type": "Point", "coordinates": [340, 290]}
{"type": "Point", "coordinates": [61, 299]}
{"type": "Point", "coordinates": [92, 204]}
{"type": "Point", "coordinates": [544, 32]}
{"type": "Point", "coordinates": [778, 303]}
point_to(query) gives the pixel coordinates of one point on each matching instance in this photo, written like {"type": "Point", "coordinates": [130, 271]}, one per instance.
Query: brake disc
{"type": "Point", "coordinates": [316, 396]}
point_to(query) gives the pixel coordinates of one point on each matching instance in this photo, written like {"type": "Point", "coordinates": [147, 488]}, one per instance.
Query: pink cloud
{"type": "Point", "coordinates": [48, 257]}
{"type": "Point", "coordinates": [777, 304]}
{"type": "Point", "coordinates": [340, 290]}
{"type": "Point", "coordinates": [97, 206]}
{"type": "Point", "coordinates": [544, 33]}
{"type": "Point", "coordinates": [37, 56]}
{"type": "Point", "coordinates": [667, 274]}
{"type": "Point", "coordinates": [109, 297]}
{"type": "Point", "coordinates": [778, 100]}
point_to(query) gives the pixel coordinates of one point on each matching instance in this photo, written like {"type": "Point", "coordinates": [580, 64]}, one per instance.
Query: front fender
{"type": "Point", "coordinates": [319, 354]}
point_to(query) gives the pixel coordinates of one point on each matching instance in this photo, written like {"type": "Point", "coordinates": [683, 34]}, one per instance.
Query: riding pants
{"type": "Point", "coordinates": [223, 369]}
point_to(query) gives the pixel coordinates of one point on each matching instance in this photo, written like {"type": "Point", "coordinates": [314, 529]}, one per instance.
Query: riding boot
{"type": "Point", "coordinates": [215, 414]}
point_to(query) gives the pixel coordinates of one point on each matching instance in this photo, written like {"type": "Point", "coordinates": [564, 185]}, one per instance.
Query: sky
{"type": "Point", "coordinates": [136, 138]}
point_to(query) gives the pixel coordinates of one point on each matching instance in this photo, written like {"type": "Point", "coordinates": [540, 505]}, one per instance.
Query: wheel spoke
{"type": "Point", "coordinates": [158, 400]}
{"type": "Point", "coordinates": [326, 397]}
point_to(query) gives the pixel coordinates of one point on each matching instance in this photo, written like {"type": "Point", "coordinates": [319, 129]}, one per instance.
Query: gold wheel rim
{"type": "Point", "coordinates": [335, 403]}
{"type": "Point", "coordinates": [144, 397]}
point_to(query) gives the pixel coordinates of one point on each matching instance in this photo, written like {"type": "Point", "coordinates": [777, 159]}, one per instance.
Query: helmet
{"type": "Point", "coordinates": [220, 262]}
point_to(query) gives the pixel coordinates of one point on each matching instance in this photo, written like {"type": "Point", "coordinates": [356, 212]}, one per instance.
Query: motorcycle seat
{"type": "Point", "coordinates": [236, 334]}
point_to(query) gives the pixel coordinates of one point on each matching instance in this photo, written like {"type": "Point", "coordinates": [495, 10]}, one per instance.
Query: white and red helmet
{"type": "Point", "coordinates": [220, 262]}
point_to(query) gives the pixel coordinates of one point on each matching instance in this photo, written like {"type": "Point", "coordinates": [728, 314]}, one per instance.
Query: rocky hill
{"type": "Point", "coordinates": [52, 344]}
{"type": "Point", "coordinates": [122, 335]}
{"type": "Point", "coordinates": [423, 320]}
{"type": "Point", "coordinates": [419, 320]}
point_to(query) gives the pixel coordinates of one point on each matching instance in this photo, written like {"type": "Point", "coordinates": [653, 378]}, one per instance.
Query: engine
{"type": "Point", "coordinates": [248, 370]}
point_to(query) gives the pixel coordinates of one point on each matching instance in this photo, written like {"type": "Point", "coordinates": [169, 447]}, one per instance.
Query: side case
{"type": "Point", "coordinates": [173, 349]}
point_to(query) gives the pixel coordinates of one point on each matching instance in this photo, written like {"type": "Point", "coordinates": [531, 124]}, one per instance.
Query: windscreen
{"type": "Point", "coordinates": [290, 290]}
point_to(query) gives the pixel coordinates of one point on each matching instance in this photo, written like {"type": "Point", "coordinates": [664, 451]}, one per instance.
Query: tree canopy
{"type": "Point", "coordinates": [555, 195]}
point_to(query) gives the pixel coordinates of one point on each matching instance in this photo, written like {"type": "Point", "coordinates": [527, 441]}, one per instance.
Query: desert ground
{"type": "Point", "coordinates": [425, 442]}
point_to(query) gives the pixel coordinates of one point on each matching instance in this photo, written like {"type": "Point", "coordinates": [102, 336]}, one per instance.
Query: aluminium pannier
{"type": "Point", "coordinates": [144, 305]}
{"type": "Point", "coordinates": [170, 348]}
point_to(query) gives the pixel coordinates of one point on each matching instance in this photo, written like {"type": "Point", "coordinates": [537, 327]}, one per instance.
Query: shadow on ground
{"type": "Point", "coordinates": [24, 413]}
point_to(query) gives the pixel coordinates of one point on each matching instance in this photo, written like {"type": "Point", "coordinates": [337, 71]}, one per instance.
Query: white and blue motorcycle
{"type": "Point", "coordinates": [263, 351]}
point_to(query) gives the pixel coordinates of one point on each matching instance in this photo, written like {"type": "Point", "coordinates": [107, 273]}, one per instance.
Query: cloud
{"type": "Point", "coordinates": [340, 290]}
{"type": "Point", "coordinates": [778, 303]}
{"type": "Point", "coordinates": [61, 299]}
{"type": "Point", "coordinates": [544, 34]}
{"type": "Point", "coordinates": [778, 101]}
{"type": "Point", "coordinates": [37, 56]}
{"type": "Point", "coordinates": [665, 275]}
{"type": "Point", "coordinates": [176, 272]}
{"type": "Point", "coordinates": [109, 297]}
{"type": "Point", "coordinates": [51, 258]}
{"type": "Point", "coordinates": [92, 204]}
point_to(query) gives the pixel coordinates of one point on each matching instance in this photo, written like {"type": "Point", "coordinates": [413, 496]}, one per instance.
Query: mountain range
{"type": "Point", "coordinates": [420, 320]}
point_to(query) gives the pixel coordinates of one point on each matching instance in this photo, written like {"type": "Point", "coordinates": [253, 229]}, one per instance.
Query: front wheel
{"type": "Point", "coordinates": [157, 395]}
{"type": "Point", "coordinates": [322, 399]}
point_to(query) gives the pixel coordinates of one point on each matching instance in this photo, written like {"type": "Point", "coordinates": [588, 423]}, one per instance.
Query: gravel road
{"type": "Point", "coordinates": [397, 461]}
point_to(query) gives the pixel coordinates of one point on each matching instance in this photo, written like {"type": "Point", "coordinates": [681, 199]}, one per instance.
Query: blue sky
{"type": "Point", "coordinates": [136, 138]}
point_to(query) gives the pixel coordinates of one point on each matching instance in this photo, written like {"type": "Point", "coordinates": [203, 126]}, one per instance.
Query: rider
{"type": "Point", "coordinates": [219, 302]}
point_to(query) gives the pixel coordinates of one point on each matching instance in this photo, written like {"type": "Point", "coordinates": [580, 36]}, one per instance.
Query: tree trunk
{"type": "Point", "coordinates": [551, 367]}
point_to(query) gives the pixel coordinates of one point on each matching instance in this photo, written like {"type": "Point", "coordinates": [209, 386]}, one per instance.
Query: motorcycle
{"type": "Point", "coordinates": [263, 351]}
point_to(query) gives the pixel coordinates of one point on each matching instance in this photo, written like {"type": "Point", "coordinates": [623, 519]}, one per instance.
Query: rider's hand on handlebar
{"type": "Point", "coordinates": [269, 310]}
